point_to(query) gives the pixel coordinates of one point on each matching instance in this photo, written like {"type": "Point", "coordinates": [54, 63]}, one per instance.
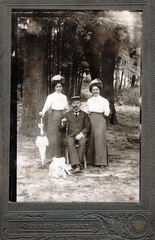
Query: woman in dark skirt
{"type": "Point", "coordinates": [56, 105]}
{"type": "Point", "coordinates": [98, 108]}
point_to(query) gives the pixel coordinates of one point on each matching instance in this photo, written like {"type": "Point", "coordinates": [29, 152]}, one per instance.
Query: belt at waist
{"type": "Point", "coordinates": [56, 110]}
{"type": "Point", "coordinates": [100, 114]}
{"type": "Point", "coordinates": [96, 112]}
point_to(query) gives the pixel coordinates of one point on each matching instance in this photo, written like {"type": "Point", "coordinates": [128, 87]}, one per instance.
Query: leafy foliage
{"type": "Point", "coordinates": [128, 96]}
{"type": "Point", "coordinates": [97, 42]}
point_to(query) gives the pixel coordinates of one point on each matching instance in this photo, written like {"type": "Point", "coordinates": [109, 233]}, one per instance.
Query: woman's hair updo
{"type": "Point", "coordinates": [57, 79]}
{"type": "Point", "coordinates": [96, 82]}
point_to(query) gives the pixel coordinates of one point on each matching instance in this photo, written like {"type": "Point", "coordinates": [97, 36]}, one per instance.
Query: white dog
{"type": "Point", "coordinates": [58, 168]}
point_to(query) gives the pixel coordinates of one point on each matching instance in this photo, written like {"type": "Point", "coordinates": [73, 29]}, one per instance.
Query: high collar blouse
{"type": "Point", "coordinates": [99, 105]}
{"type": "Point", "coordinates": [55, 101]}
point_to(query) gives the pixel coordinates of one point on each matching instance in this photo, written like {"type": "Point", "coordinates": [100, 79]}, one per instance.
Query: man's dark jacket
{"type": "Point", "coordinates": [77, 124]}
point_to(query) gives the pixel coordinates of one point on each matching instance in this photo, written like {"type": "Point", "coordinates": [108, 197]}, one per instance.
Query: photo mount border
{"type": "Point", "coordinates": [81, 220]}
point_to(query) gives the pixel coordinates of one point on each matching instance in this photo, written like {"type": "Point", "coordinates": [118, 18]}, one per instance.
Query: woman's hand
{"type": "Point", "coordinates": [41, 114]}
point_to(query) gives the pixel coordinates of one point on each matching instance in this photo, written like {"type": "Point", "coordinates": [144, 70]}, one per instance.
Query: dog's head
{"type": "Point", "coordinates": [58, 168]}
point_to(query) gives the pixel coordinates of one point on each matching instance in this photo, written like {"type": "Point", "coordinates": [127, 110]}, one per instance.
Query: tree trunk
{"type": "Point", "coordinates": [94, 66]}
{"type": "Point", "coordinates": [34, 84]}
{"type": "Point", "coordinates": [74, 80]}
{"type": "Point", "coordinates": [121, 80]}
{"type": "Point", "coordinates": [133, 81]}
{"type": "Point", "coordinates": [108, 67]}
{"type": "Point", "coordinates": [94, 62]}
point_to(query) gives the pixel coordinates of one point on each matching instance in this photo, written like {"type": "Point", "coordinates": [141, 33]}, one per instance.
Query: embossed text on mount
{"type": "Point", "coordinates": [72, 226]}
{"type": "Point", "coordinates": [33, 227]}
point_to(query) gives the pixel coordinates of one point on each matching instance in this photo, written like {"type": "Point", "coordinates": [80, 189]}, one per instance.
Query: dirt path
{"type": "Point", "coordinates": [119, 182]}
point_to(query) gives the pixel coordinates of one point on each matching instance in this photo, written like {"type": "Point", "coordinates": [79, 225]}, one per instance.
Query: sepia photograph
{"type": "Point", "coordinates": [76, 90]}
{"type": "Point", "coordinates": [77, 120]}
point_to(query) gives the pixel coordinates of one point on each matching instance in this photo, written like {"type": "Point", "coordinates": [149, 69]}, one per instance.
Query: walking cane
{"type": "Point", "coordinates": [67, 153]}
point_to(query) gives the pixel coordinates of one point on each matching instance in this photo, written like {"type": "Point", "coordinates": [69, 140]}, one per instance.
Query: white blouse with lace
{"type": "Point", "coordinates": [98, 104]}
{"type": "Point", "coordinates": [55, 101]}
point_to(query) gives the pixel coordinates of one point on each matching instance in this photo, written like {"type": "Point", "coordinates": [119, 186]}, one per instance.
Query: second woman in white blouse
{"type": "Point", "coordinates": [98, 108]}
{"type": "Point", "coordinates": [56, 105]}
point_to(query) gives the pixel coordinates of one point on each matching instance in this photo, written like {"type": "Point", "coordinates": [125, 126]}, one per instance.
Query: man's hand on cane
{"type": "Point", "coordinates": [63, 121]}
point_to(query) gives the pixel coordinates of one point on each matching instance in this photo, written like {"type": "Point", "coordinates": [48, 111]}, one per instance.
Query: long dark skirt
{"type": "Point", "coordinates": [54, 135]}
{"type": "Point", "coordinates": [97, 147]}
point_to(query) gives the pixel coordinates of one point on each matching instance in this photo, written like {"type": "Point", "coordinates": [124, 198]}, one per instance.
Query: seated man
{"type": "Point", "coordinates": [78, 127]}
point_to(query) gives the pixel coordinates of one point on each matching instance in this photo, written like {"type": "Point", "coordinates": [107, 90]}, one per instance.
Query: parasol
{"type": "Point", "coordinates": [42, 142]}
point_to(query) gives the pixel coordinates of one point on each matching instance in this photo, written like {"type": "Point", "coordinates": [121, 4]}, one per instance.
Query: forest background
{"type": "Point", "coordinates": [80, 46]}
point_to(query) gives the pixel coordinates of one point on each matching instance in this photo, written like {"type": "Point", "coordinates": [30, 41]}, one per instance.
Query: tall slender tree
{"type": "Point", "coordinates": [35, 76]}
{"type": "Point", "coordinates": [67, 44]}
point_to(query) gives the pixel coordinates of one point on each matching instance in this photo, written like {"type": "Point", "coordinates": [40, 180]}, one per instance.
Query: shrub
{"type": "Point", "coordinates": [128, 96]}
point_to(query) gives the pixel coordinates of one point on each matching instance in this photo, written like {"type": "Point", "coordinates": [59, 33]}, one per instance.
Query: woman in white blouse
{"type": "Point", "coordinates": [98, 108]}
{"type": "Point", "coordinates": [56, 105]}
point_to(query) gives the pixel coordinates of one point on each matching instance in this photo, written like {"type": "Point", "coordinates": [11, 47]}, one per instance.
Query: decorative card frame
{"type": "Point", "coordinates": [80, 221]}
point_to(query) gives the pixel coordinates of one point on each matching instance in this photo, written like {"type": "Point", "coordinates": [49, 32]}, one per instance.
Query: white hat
{"type": "Point", "coordinates": [57, 77]}
{"type": "Point", "coordinates": [95, 82]}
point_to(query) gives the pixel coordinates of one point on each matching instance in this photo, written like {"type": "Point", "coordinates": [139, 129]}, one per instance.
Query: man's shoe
{"type": "Point", "coordinates": [81, 167]}
{"type": "Point", "coordinates": [77, 169]}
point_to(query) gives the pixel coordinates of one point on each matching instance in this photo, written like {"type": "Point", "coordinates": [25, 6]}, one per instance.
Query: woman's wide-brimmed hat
{"type": "Point", "coordinates": [96, 82]}
{"type": "Point", "coordinates": [57, 79]}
